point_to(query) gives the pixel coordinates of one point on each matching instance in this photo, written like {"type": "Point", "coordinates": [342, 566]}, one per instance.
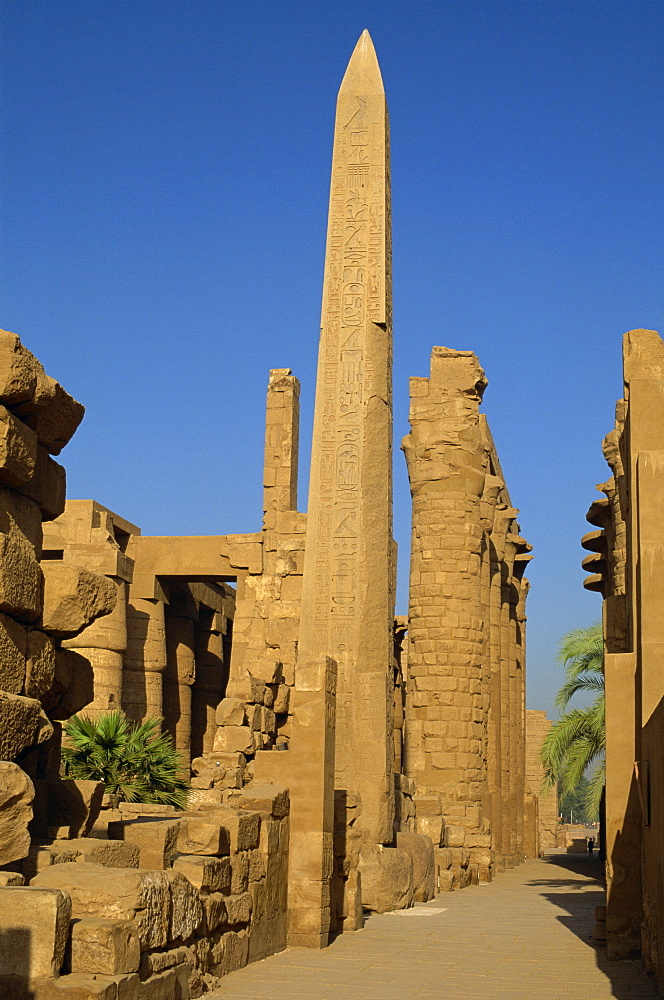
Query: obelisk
{"type": "Point", "coordinates": [348, 589]}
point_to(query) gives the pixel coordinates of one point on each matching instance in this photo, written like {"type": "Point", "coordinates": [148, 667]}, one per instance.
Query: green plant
{"type": "Point", "coordinates": [577, 740]}
{"type": "Point", "coordinates": [134, 760]}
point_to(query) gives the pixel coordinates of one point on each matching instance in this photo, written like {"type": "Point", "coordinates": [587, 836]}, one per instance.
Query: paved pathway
{"type": "Point", "coordinates": [526, 936]}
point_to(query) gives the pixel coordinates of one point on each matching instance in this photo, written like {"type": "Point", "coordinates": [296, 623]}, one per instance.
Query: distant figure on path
{"type": "Point", "coordinates": [591, 845]}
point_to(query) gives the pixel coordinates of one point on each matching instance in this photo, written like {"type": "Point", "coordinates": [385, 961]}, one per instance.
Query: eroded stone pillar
{"type": "Point", "coordinates": [178, 679]}
{"type": "Point", "coordinates": [103, 643]}
{"type": "Point", "coordinates": [145, 659]}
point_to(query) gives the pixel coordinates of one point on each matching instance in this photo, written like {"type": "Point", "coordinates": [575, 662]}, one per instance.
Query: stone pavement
{"type": "Point", "coordinates": [526, 936]}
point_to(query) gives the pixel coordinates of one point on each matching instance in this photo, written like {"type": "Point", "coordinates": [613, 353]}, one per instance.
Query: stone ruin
{"type": "Point", "coordinates": [342, 760]}
{"type": "Point", "coordinates": [626, 567]}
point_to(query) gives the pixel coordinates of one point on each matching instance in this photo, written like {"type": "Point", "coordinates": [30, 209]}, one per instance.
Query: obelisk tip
{"type": "Point", "coordinates": [362, 74]}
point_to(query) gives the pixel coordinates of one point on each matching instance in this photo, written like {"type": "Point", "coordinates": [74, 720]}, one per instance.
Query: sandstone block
{"type": "Point", "coordinates": [56, 414]}
{"type": "Point", "coordinates": [16, 795]}
{"type": "Point", "coordinates": [48, 485]}
{"type": "Point", "coordinates": [20, 578]}
{"type": "Point", "coordinates": [235, 952]}
{"type": "Point", "coordinates": [72, 802]}
{"type": "Point", "coordinates": [13, 646]}
{"type": "Point", "coordinates": [104, 946]}
{"type": "Point", "coordinates": [264, 798]}
{"type": "Point", "coordinates": [420, 849]}
{"type": "Point", "coordinates": [159, 961]}
{"type": "Point", "coordinates": [18, 370]}
{"type": "Point", "coordinates": [79, 986]}
{"type": "Point", "coordinates": [238, 908]}
{"type": "Point", "coordinates": [207, 874]}
{"type": "Point", "coordinates": [431, 826]}
{"type": "Point", "coordinates": [156, 839]}
{"type": "Point", "coordinates": [281, 700]}
{"type": "Point", "coordinates": [203, 836]}
{"type": "Point", "coordinates": [387, 878]}
{"type": "Point", "coordinates": [74, 597]}
{"type": "Point", "coordinates": [73, 685]}
{"type": "Point", "coordinates": [34, 923]}
{"type": "Point", "coordinates": [117, 894]}
{"type": "Point", "coordinates": [186, 907]}
{"type": "Point", "coordinates": [267, 671]}
{"type": "Point", "coordinates": [109, 853]}
{"type": "Point", "coordinates": [18, 450]}
{"type": "Point", "coordinates": [215, 911]}
{"type": "Point", "coordinates": [239, 873]}
{"type": "Point", "coordinates": [19, 724]}
{"type": "Point", "coordinates": [40, 664]}
{"type": "Point", "coordinates": [454, 836]}
{"type": "Point", "coordinates": [11, 878]}
{"type": "Point", "coordinates": [243, 827]}
{"type": "Point", "coordinates": [234, 739]}
{"type": "Point", "coordinates": [230, 712]}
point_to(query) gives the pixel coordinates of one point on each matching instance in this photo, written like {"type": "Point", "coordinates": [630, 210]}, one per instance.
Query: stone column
{"type": "Point", "coordinates": [103, 643]}
{"type": "Point", "coordinates": [145, 659]}
{"type": "Point", "coordinates": [209, 686]}
{"type": "Point", "coordinates": [178, 679]}
{"type": "Point", "coordinates": [447, 465]}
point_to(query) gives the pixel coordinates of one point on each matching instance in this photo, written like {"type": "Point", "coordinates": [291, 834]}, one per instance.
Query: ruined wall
{"type": "Point", "coordinates": [537, 726]}
{"type": "Point", "coordinates": [627, 568]}
{"type": "Point", "coordinates": [464, 743]}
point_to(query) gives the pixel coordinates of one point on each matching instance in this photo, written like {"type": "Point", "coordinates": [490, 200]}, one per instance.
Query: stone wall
{"type": "Point", "coordinates": [546, 836]}
{"type": "Point", "coordinates": [464, 744]}
{"type": "Point", "coordinates": [627, 568]}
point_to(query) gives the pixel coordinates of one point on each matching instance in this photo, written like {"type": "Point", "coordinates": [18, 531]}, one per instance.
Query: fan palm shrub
{"type": "Point", "coordinates": [134, 760]}
{"type": "Point", "coordinates": [577, 740]}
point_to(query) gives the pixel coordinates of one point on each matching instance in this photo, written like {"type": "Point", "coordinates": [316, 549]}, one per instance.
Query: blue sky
{"type": "Point", "coordinates": [165, 170]}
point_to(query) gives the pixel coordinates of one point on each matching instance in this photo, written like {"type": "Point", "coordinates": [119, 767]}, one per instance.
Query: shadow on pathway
{"type": "Point", "coordinates": [577, 872]}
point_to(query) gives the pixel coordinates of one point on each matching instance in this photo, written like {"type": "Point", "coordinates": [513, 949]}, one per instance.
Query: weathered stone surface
{"type": "Point", "coordinates": [265, 670]}
{"type": "Point", "coordinates": [264, 798]}
{"type": "Point", "coordinates": [186, 908]}
{"type": "Point", "coordinates": [159, 961]}
{"type": "Point", "coordinates": [18, 450]}
{"type": "Point", "coordinates": [243, 828]}
{"type": "Point", "coordinates": [20, 578]}
{"type": "Point", "coordinates": [13, 645]}
{"type": "Point", "coordinates": [11, 878]}
{"type": "Point", "coordinates": [40, 664]}
{"type": "Point", "coordinates": [19, 724]}
{"type": "Point", "coordinates": [84, 986]}
{"type": "Point", "coordinates": [18, 370]}
{"type": "Point", "coordinates": [109, 853]}
{"type": "Point", "coordinates": [203, 836]}
{"type": "Point", "coordinates": [116, 894]}
{"type": "Point", "coordinates": [104, 946]}
{"type": "Point", "coordinates": [56, 414]}
{"type": "Point", "coordinates": [207, 874]}
{"type": "Point", "coordinates": [156, 839]}
{"type": "Point", "coordinates": [234, 739]}
{"type": "Point", "coordinates": [34, 923]}
{"type": "Point", "coordinates": [72, 802]}
{"type": "Point", "coordinates": [238, 909]}
{"type": "Point", "coordinates": [230, 712]}
{"type": "Point", "coordinates": [16, 795]}
{"type": "Point", "coordinates": [215, 911]}
{"type": "Point", "coordinates": [74, 597]}
{"type": "Point", "coordinates": [432, 827]}
{"type": "Point", "coordinates": [387, 878]}
{"type": "Point", "coordinates": [73, 685]}
{"type": "Point", "coordinates": [48, 485]}
{"type": "Point", "coordinates": [420, 849]}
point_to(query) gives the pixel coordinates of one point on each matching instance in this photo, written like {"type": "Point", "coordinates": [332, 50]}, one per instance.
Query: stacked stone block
{"type": "Point", "coordinates": [464, 743]}
{"type": "Point", "coordinates": [166, 908]}
{"type": "Point", "coordinates": [545, 828]}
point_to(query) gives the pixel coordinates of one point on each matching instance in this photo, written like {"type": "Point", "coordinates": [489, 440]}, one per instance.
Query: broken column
{"type": "Point", "coordinates": [464, 715]}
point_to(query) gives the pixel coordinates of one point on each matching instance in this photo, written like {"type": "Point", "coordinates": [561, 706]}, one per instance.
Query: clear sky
{"type": "Point", "coordinates": [165, 170]}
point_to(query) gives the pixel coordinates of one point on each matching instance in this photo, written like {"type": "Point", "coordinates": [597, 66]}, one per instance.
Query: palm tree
{"type": "Point", "coordinates": [134, 760]}
{"type": "Point", "coordinates": [577, 740]}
